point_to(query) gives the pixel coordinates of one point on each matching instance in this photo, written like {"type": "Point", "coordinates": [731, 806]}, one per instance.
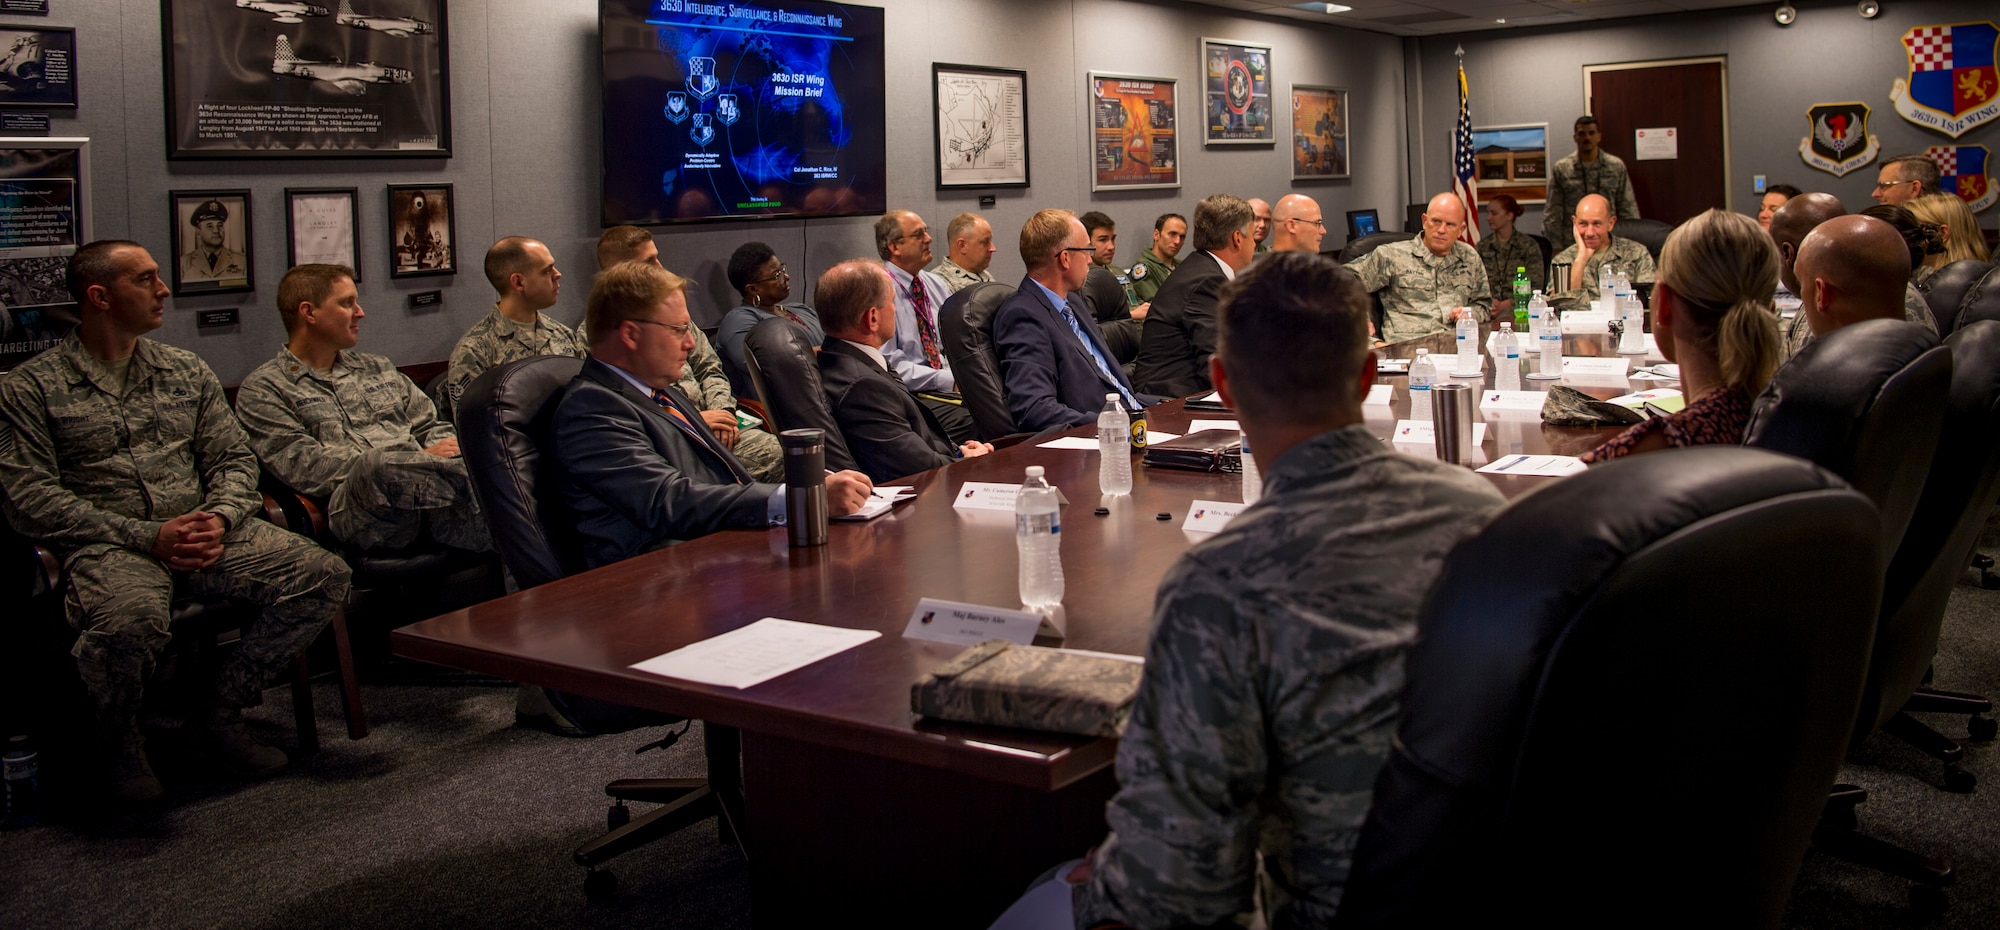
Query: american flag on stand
{"type": "Point", "coordinates": [1462, 163]}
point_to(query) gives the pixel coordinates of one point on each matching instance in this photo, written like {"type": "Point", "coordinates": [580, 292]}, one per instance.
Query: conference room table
{"type": "Point", "coordinates": [852, 805]}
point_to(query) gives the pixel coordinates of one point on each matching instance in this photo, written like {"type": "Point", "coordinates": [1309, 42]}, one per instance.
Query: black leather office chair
{"type": "Point", "coordinates": [786, 372]}
{"type": "Point", "coordinates": [1981, 300]}
{"type": "Point", "coordinates": [1106, 300]}
{"type": "Point", "coordinates": [965, 322]}
{"type": "Point", "coordinates": [1356, 248]}
{"type": "Point", "coordinates": [1573, 749]}
{"type": "Point", "coordinates": [1548, 254]}
{"type": "Point", "coordinates": [505, 421]}
{"type": "Point", "coordinates": [1946, 289]}
{"type": "Point", "coordinates": [1650, 233]}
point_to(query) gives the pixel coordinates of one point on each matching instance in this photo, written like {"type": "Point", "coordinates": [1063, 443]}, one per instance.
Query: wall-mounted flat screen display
{"type": "Point", "coordinates": [758, 108]}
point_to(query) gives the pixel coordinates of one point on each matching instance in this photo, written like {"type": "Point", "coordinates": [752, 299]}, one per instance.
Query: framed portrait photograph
{"type": "Point", "coordinates": [980, 124]}
{"type": "Point", "coordinates": [211, 242]}
{"type": "Point", "coordinates": [37, 66]}
{"type": "Point", "coordinates": [321, 229]}
{"type": "Point", "coordinates": [422, 238]}
{"type": "Point", "coordinates": [1134, 132]}
{"type": "Point", "coordinates": [319, 79]}
{"type": "Point", "coordinates": [1236, 92]}
{"type": "Point", "coordinates": [1319, 132]}
{"type": "Point", "coordinates": [1512, 160]}
{"type": "Point", "coordinates": [44, 215]}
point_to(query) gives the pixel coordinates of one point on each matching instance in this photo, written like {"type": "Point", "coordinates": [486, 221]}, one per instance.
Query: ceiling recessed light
{"type": "Point", "coordinates": [1327, 8]}
{"type": "Point", "coordinates": [1785, 14]}
{"type": "Point", "coordinates": [1500, 21]}
{"type": "Point", "coordinates": [1868, 9]}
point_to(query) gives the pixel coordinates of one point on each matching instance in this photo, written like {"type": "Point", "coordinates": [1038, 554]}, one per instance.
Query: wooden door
{"type": "Point", "coordinates": [1687, 97]}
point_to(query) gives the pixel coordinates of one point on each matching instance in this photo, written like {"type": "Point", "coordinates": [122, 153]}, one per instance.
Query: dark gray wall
{"type": "Point", "coordinates": [525, 122]}
{"type": "Point", "coordinates": [1829, 55]}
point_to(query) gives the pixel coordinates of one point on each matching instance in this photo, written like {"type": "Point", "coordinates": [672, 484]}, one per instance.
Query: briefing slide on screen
{"type": "Point", "coordinates": [715, 110]}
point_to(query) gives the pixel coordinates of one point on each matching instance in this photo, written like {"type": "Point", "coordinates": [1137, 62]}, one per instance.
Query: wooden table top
{"type": "Point", "coordinates": [581, 633]}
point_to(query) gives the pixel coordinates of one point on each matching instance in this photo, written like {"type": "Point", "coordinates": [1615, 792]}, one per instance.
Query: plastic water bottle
{"type": "Point", "coordinates": [1038, 538]}
{"type": "Point", "coordinates": [1549, 342]}
{"type": "Point", "coordinates": [1621, 290]}
{"type": "Point", "coordinates": [1605, 286]}
{"type": "Point", "coordinates": [1423, 375]}
{"type": "Point", "coordinates": [1538, 306]}
{"type": "Point", "coordinates": [1633, 339]}
{"type": "Point", "coordinates": [1521, 291]}
{"type": "Point", "coordinates": [1114, 447]}
{"type": "Point", "coordinates": [1506, 360]}
{"type": "Point", "coordinates": [1253, 480]}
{"type": "Point", "coordinates": [1468, 344]}
{"type": "Point", "coordinates": [23, 784]}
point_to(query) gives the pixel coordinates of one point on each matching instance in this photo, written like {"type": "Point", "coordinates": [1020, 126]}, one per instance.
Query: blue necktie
{"type": "Point", "coordinates": [1103, 368]}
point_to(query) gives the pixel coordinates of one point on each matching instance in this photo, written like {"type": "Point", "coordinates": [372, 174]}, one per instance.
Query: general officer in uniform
{"type": "Point", "coordinates": [703, 381]}
{"type": "Point", "coordinates": [210, 260]}
{"type": "Point", "coordinates": [1591, 170]}
{"type": "Point", "coordinates": [1596, 248]}
{"type": "Point", "coordinates": [347, 426]}
{"type": "Point", "coordinates": [121, 454]}
{"type": "Point", "coordinates": [1425, 281]}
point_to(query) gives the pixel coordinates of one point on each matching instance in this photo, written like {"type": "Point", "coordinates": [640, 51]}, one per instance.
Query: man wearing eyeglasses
{"type": "Point", "coordinates": [1054, 364]}
{"type": "Point", "coordinates": [1423, 282]}
{"type": "Point", "coordinates": [1296, 225]}
{"type": "Point", "coordinates": [1179, 334]}
{"type": "Point", "coordinates": [638, 467]}
{"type": "Point", "coordinates": [916, 354]}
{"type": "Point", "coordinates": [1905, 177]}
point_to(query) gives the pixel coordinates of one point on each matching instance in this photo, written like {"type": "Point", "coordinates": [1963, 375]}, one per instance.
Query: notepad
{"type": "Point", "coordinates": [755, 654]}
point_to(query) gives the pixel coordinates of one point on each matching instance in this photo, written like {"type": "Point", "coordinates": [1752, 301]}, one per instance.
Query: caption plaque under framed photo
{"type": "Point", "coordinates": [268, 79]}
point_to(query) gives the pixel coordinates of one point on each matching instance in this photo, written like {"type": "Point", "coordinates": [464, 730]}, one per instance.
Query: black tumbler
{"type": "Point", "coordinates": [805, 485]}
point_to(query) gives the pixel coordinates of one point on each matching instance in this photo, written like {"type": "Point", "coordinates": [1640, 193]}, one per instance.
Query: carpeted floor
{"type": "Point", "coordinates": [449, 816]}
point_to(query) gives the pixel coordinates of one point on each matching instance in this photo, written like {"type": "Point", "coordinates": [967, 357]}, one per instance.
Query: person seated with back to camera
{"type": "Point", "coordinates": [1274, 671]}
{"type": "Point", "coordinates": [1712, 315]}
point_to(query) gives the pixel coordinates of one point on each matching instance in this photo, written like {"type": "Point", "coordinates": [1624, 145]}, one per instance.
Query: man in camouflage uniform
{"type": "Point", "coordinates": [1270, 691]}
{"type": "Point", "coordinates": [1852, 268]}
{"type": "Point", "coordinates": [347, 426]}
{"type": "Point", "coordinates": [121, 454]}
{"type": "Point", "coordinates": [703, 382]}
{"type": "Point", "coordinates": [525, 276]}
{"type": "Point", "coordinates": [1159, 261]}
{"type": "Point", "coordinates": [1424, 281]}
{"type": "Point", "coordinates": [1594, 250]}
{"type": "Point", "coordinates": [1590, 171]}
{"type": "Point", "coordinates": [969, 252]}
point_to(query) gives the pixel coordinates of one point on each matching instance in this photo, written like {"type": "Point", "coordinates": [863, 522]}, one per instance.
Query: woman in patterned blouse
{"type": "Point", "coordinates": [1503, 250]}
{"type": "Point", "coordinates": [1711, 314]}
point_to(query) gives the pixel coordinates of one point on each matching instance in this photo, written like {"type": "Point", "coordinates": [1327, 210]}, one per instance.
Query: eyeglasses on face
{"type": "Point", "coordinates": [1079, 248]}
{"type": "Point", "coordinates": [681, 331]}
{"type": "Point", "coordinates": [782, 272]}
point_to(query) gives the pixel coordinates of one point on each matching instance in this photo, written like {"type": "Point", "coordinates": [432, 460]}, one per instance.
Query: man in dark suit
{"type": "Point", "coordinates": [1053, 362]}
{"type": "Point", "coordinates": [1179, 335]}
{"type": "Point", "coordinates": [890, 434]}
{"type": "Point", "coordinates": [637, 466]}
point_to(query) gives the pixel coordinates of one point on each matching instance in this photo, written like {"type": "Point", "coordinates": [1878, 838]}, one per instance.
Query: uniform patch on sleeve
{"type": "Point", "coordinates": [1138, 272]}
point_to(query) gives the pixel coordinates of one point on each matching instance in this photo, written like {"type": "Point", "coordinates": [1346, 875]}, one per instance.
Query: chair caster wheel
{"type": "Point", "coordinates": [1959, 780]}
{"type": "Point", "coordinates": [618, 816]}
{"type": "Point", "coordinates": [601, 886]}
{"type": "Point", "coordinates": [1927, 901]}
{"type": "Point", "coordinates": [1982, 728]}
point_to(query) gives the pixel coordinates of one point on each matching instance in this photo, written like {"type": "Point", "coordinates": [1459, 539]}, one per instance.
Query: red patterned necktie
{"type": "Point", "coordinates": [920, 300]}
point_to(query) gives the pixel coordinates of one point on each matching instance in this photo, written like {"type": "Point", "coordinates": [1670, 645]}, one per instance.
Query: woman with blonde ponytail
{"type": "Point", "coordinates": [1712, 314]}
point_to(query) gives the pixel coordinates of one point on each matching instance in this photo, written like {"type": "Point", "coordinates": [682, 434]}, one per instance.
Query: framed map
{"type": "Point", "coordinates": [1236, 93]}
{"type": "Point", "coordinates": [1134, 132]}
{"type": "Point", "coordinates": [980, 120]}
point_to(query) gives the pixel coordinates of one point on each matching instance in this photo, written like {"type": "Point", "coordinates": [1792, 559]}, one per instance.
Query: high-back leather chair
{"type": "Point", "coordinates": [1981, 300]}
{"type": "Point", "coordinates": [1650, 233]}
{"type": "Point", "coordinates": [504, 423]}
{"type": "Point", "coordinates": [1573, 743]}
{"type": "Point", "coordinates": [966, 324]}
{"type": "Point", "coordinates": [1352, 252]}
{"type": "Point", "coordinates": [786, 373]}
{"type": "Point", "coordinates": [1946, 289]}
{"type": "Point", "coordinates": [1865, 402]}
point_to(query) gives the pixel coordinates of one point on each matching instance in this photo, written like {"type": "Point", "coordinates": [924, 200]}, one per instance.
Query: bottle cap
{"type": "Point", "coordinates": [1111, 396]}
{"type": "Point", "coordinates": [1423, 351]}
{"type": "Point", "coordinates": [1034, 471]}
